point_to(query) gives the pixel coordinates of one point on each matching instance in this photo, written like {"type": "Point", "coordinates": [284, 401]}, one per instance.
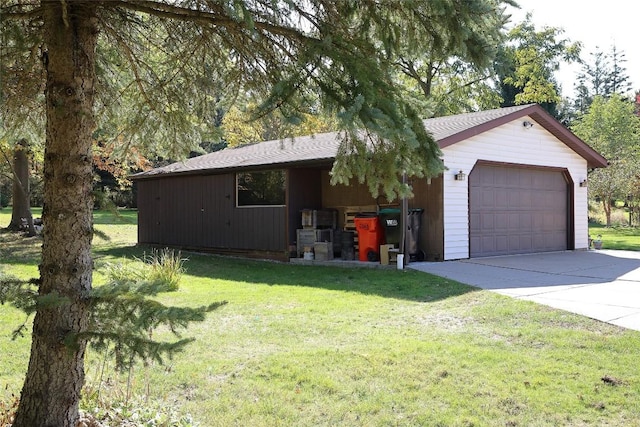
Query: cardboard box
{"type": "Point", "coordinates": [323, 251]}
{"type": "Point", "coordinates": [384, 253]}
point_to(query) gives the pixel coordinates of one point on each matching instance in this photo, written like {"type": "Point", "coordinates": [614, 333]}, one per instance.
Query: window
{"type": "Point", "coordinates": [260, 188]}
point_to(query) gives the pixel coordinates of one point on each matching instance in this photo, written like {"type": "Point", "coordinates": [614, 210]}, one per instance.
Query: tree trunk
{"type": "Point", "coordinates": [606, 204]}
{"type": "Point", "coordinates": [21, 201]}
{"type": "Point", "coordinates": [55, 375]}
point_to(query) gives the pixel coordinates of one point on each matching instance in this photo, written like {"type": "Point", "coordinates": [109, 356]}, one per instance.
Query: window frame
{"type": "Point", "coordinates": [284, 188]}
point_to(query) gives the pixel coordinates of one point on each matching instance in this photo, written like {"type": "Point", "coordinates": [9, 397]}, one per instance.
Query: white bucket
{"type": "Point", "coordinates": [400, 261]}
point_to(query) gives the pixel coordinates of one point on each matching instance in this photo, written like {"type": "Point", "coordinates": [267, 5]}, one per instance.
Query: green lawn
{"type": "Point", "coordinates": [311, 346]}
{"type": "Point", "coordinates": [619, 237]}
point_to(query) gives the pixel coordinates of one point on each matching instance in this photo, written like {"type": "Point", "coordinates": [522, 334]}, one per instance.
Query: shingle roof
{"type": "Point", "coordinates": [323, 147]}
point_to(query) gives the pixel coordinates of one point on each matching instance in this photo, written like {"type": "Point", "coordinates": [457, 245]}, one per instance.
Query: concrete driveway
{"type": "Point", "coordinates": [603, 285]}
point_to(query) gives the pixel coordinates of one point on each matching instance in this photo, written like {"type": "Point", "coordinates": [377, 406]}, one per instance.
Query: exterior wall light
{"type": "Point", "coordinates": [460, 176]}
{"type": "Point", "coordinates": [527, 124]}
{"type": "Point", "coordinates": [583, 183]}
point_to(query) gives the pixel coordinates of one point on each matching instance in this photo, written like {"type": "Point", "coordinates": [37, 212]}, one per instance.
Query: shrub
{"type": "Point", "coordinates": [162, 268]}
{"type": "Point", "coordinates": [166, 266]}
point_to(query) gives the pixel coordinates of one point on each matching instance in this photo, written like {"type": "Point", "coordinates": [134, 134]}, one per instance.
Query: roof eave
{"type": "Point", "coordinates": [231, 169]}
{"type": "Point", "coordinates": [537, 113]}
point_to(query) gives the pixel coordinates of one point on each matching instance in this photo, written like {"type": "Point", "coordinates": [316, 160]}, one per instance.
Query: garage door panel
{"type": "Point", "coordinates": [526, 221]}
{"type": "Point", "coordinates": [474, 223]}
{"type": "Point", "coordinates": [488, 222]}
{"type": "Point", "coordinates": [539, 199]}
{"type": "Point", "coordinates": [501, 222]}
{"type": "Point", "coordinates": [513, 197]}
{"type": "Point", "coordinates": [501, 242]}
{"type": "Point", "coordinates": [525, 200]}
{"type": "Point", "coordinates": [488, 198]}
{"type": "Point", "coordinates": [514, 243]}
{"type": "Point", "coordinates": [540, 240]}
{"type": "Point", "coordinates": [488, 243]}
{"type": "Point", "coordinates": [525, 242]}
{"type": "Point", "coordinates": [501, 179]}
{"type": "Point", "coordinates": [517, 210]}
{"type": "Point", "coordinates": [524, 179]}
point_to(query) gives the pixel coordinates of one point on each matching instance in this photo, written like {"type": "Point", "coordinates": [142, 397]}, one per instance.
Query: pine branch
{"type": "Point", "coordinates": [20, 12]}
{"type": "Point", "coordinates": [124, 317]}
{"type": "Point", "coordinates": [171, 11]}
{"type": "Point", "coordinates": [125, 313]}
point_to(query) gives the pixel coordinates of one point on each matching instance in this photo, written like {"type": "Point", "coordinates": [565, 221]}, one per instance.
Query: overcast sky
{"type": "Point", "coordinates": [595, 24]}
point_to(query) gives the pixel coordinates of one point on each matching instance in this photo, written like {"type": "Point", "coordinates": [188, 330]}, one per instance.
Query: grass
{"type": "Point", "coordinates": [313, 346]}
{"type": "Point", "coordinates": [616, 237]}
{"type": "Point", "coordinates": [619, 236]}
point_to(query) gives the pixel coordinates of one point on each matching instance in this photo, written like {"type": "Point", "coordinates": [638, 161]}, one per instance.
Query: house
{"type": "Point", "coordinates": [516, 182]}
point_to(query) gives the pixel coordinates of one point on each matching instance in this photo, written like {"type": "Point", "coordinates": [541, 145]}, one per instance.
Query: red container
{"type": "Point", "coordinates": [370, 236]}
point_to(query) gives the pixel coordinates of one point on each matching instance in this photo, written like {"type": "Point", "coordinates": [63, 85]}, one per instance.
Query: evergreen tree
{"type": "Point", "coordinates": [603, 76]}
{"type": "Point", "coordinates": [82, 52]}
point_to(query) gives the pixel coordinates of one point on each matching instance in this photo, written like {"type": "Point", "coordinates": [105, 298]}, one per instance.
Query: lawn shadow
{"type": "Point", "coordinates": [118, 251]}
{"type": "Point", "coordinates": [388, 283]}
{"type": "Point", "coordinates": [115, 217]}
{"type": "Point", "coordinates": [18, 249]}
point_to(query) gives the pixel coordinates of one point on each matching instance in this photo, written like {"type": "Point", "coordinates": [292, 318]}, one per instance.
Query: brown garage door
{"type": "Point", "coordinates": [516, 210]}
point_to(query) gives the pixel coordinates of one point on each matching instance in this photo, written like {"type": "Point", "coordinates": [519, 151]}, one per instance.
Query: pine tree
{"type": "Point", "coordinates": [137, 61]}
{"type": "Point", "coordinates": [605, 75]}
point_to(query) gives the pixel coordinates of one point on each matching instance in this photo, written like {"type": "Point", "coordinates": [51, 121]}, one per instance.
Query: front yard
{"type": "Point", "coordinates": [309, 346]}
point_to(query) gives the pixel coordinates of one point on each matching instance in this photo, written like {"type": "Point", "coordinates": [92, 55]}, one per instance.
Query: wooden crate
{"type": "Point", "coordinates": [307, 237]}
{"type": "Point", "coordinates": [350, 213]}
{"type": "Point", "coordinates": [323, 251]}
{"type": "Point", "coordinates": [325, 218]}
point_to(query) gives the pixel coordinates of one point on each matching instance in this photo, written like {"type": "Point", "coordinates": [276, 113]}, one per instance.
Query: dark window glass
{"type": "Point", "coordinates": [261, 188]}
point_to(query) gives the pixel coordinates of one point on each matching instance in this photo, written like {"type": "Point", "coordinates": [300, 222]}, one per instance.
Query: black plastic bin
{"type": "Point", "coordinates": [414, 222]}
{"type": "Point", "coordinates": [392, 224]}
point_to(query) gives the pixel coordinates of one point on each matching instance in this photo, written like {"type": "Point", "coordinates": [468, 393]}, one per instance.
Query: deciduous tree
{"type": "Point", "coordinates": [527, 62]}
{"type": "Point", "coordinates": [611, 127]}
{"type": "Point", "coordinates": [454, 78]}
{"type": "Point", "coordinates": [21, 195]}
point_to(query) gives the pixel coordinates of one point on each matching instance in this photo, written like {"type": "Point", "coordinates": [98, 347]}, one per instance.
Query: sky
{"type": "Point", "coordinates": [595, 24]}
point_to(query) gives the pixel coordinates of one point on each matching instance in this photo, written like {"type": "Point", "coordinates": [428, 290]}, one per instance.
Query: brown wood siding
{"type": "Point", "coordinates": [219, 204]}
{"type": "Point", "coordinates": [145, 210]}
{"type": "Point", "coordinates": [429, 198]}
{"type": "Point", "coordinates": [354, 194]}
{"type": "Point", "coordinates": [426, 196]}
{"type": "Point", "coordinates": [305, 192]}
{"type": "Point", "coordinates": [200, 212]}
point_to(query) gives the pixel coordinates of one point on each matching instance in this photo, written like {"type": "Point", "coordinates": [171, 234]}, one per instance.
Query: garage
{"type": "Point", "coordinates": [515, 209]}
{"type": "Point", "coordinates": [516, 182]}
